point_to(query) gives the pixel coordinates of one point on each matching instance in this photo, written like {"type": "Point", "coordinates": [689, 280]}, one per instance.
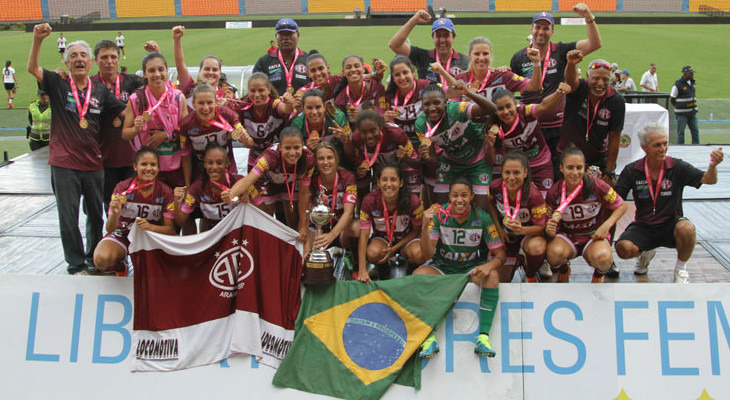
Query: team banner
{"type": "Point", "coordinates": [232, 290]}
{"type": "Point", "coordinates": [354, 340]}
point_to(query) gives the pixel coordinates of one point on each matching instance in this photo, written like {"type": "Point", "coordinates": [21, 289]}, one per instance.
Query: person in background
{"type": "Point", "coordinates": [39, 118]}
{"type": "Point", "coordinates": [272, 46]}
{"type": "Point", "coordinates": [649, 81]}
{"type": "Point", "coordinates": [627, 84]}
{"type": "Point", "coordinates": [684, 100]}
{"type": "Point", "coordinates": [120, 44]}
{"type": "Point", "coordinates": [11, 84]}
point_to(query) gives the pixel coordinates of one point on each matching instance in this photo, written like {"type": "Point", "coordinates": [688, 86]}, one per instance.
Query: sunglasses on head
{"type": "Point", "coordinates": [600, 65]}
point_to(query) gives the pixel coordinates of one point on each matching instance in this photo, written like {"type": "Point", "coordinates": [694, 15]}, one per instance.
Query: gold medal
{"type": "Point", "coordinates": [117, 122]}
{"type": "Point", "coordinates": [505, 220]}
{"type": "Point", "coordinates": [121, 199]}
{"type": "Point", "coordinates": [291, 206]}
{"type": "Point", "coordinates": [365, 165]}
{"type": "Point", "coordinates": [83, 123]}
{"type": "Point", "coordinates": [235, 135]}
{"type": "Point", "coordinates": [557, 215]}
{"type": "Point", "coordinates": [290, 90]}
{"type": "Point", "coordinates": [426, 142]}
{"type": "Point", "coordinates": [314, 134]}
{"type": "Point", "coordinates": [146, 116]}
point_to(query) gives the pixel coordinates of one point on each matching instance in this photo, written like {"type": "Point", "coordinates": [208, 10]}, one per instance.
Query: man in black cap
{"type": "Point", "coordinates": [684, 101]}
{"type": "Point", "coordinates": [286, 66]}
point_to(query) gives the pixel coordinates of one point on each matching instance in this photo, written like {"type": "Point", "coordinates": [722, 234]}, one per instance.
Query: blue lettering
{"type": "Point", "coordinates": [76, 328]}
{"type": "Point", "coordinates": [30, 354]}
{"type": "Point", "coordinates": [665, 336]}
{"type": "Point", "coordinates": [118, 327]}
{"type": "Point", "coordinates": [715, 311]}
{"type": "Point", "coordinates": [622, 336]}
{"type": "Point", "coordinates": [505, 308]}
{"type": "Point", "coordinates": [562, 335]}
{"type": "Point", "coordinates": [452, 337]}
{"type": "Point", "coordinates": [224, 363]}
{"type": "Point", "coordinates": [254, 363]}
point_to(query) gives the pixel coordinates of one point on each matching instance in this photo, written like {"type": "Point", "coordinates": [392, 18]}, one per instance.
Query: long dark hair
{"type": "Point", "coordinates": [587, 179]}
{"type": "Point", "coordinates": [329, 111]}
{"type": "Point", "coordinates": [343, 83]}
{"type": "Point", "coordinates": [519, 155]}
{"type": "Point", "coordinates": [404, 196]}
{"type": "Point", "coordinates": [292, 131]}
{"type": "Point", "coordinates": [145, 150]}
{"type": "Point", "coordinates": [496, 95]}
{"type": "Point", "coordinates": [392, 87]}
{"type": "Point", "coordinates": [273, 94]}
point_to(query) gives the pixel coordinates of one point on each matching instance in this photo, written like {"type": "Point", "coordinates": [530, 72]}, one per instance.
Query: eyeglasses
{"type": "Point", "coordinates": [600, 65]}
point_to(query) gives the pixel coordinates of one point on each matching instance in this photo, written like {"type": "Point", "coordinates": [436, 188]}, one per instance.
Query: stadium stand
{"type": "Point", "coordinates": [82, 10]}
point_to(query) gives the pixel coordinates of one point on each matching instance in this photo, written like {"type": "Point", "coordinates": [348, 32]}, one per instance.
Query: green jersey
{"type": "Point", "coordinates": [461, 139]}
{"type": "Point", "coordinates": [463, 246]}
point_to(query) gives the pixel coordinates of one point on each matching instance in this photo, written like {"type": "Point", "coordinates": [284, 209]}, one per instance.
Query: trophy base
{"type": "Point", "coordinates": [319, 270]}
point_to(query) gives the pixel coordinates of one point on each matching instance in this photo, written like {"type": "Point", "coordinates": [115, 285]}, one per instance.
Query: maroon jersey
{"type": "Point", "coordinates": [205, 195]}
{"type": "Point", "coordinates": [584, 215]}
{"type": "Point", "coordinates": [374, 93]}
{"type": "Point", "coordinates": [408, 112]}
{"type": "Point", "coordinates": [346, 193]}
{"type": "Point", "coordinates": [269, 166]}
{"type": "Point", "coordinates": [264, 129]}
{"type": "Point", "coordinates": [115, 151]}
{"type": "Point", "coordinates": [194, 137]}
{"type": "Point", "coordinates": [532, 210]}
{"type": "Point", "coordinates": [392, 136]}
{"type": "Point", "coordinates": [372, 216]}
{"type": "Point", "coordinates": [495, 80]}
{"type": "Point", "coordinates": [155, 207]}
{"type": "Point", "coordinates": [526, 137]}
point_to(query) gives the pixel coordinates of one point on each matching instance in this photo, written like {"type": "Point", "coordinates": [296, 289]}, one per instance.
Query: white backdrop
{"type": "Point", "coordinates": [637, 115]}
{"type": "Point", "coordinates": [70, 336]}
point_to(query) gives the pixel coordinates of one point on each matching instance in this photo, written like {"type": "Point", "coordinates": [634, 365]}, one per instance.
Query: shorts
{"type": "Point", "coordinates": [120, 238]}
{"type": "Point", "coordinates": [448, 269]}
{"type": "Point", "coordinates": [542, 177]}
{"type": "Point", "coordinates": [479, 174]}
{"type": "Point", "coordinates": [648, 237]}
{"type": "Point", "coordinates": [9, 85]}
{"type": "Point", "coordinates": [120, 47]}
{"type": "Point", "coordinates": [265, 192]}
{"type": "Point", "coordinates": [395, 240]}
{"type": "Point", "coordinates": [513, 248]}
{"type": "Point", "coordinates": [413, 179]}
{"type": "Point", "coordinates": [61, 50]}
{"type": "Point", "coordinates": [579, 242]}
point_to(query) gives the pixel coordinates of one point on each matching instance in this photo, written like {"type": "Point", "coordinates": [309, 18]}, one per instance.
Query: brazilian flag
{"type": "Point", "coordinates": [354, 339]}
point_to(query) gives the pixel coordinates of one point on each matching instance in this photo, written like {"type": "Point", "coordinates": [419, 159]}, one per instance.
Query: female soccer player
{"type": "Point", "coordinates": [209, 72]}
{"type": "Point", "coordinates": [210, 123]}
{"type": "Point", "coordinates": [394, 215]}
{"type": "Point", "coordinates": [205, 192]}
{"type": "Point", "coordinates": [516, 128]}
{"type": "Point", "coordinates": [319, 72]}
{"type": "Point", "coordinates": [449, 126]}
{"type": "Point", "coordinates": [322, 121]}
{"type": "Point", "coordinates": [358, 90]}
{"type": "Point", "coordinates": [153, 117]}
{"type": "Point", "coordinates": [578, 223]}
{"type": "Point", "coordinates": [11, 84]}
{"type": "Point", "coordinates": [336, 188]}
{"type": "Point", "coordinates": [263, 114]}
{"type": "Point", "coordinates": [458, 240]}
{"type": "Point", "coordinates": [522, 210]}
{"type": "Point", "coordinates": [377, 143]}
{"type": "Point", "coordinates": [281, 175]}
{"type": "Point", "coordinates": [403, 96]}
{"type": "Point", "coordinates": [142, 200]}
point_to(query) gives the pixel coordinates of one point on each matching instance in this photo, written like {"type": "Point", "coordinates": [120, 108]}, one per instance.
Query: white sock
{"type": "Point", "coordinates": [680, 266]}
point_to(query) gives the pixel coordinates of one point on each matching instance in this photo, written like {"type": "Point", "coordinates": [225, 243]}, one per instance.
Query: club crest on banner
{"type": "Point", "coordinates": [232, 267]}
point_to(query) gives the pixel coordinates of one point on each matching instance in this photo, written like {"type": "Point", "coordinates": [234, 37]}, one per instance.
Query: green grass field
{"type": "Point", "coordinates": [633, 47]}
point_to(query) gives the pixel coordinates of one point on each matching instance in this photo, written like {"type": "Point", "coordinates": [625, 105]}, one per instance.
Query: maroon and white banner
{"type": "Point", "coordinates": [232, 290]}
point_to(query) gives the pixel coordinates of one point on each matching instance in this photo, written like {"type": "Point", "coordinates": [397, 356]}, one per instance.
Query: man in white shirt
{"type": "Point", "coordinates": [649, 81]}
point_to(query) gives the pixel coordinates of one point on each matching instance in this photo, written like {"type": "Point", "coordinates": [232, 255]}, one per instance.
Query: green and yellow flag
{"type": "Point", "coordinates": [353, 339]}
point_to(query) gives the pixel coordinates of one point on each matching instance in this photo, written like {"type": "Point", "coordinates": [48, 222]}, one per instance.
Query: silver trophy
{"type": "Point", "coordinates": [318, 268]}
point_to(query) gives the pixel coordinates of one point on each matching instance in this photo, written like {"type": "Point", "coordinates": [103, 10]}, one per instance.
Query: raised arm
{"type": "Point", "coordinates": [593, 43]}
{"type": "Point", "coordinates": [482, 107]}
{"type": "Point", "coordinates": [710, 176]}
{"type": "Point", "coordinates": [553, 100]}
{"type": "Point", "coordinates": [40, 32]}
{"type": "Point", "coordinates": [183, 75]}
{"type": "Point", "coordinates": [398, 41]}
{"type": "Point", "coordinates": [535, 83]}
{"type": "Point", "coordinates": [571, 75]}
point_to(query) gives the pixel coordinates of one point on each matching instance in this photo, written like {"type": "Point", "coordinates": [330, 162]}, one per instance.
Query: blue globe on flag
{"type": "Point", "coordinates": [374, 336]}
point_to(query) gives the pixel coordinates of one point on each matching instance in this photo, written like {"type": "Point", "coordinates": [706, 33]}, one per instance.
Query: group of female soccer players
{"type": "Point", "coordinates": [453, 178]}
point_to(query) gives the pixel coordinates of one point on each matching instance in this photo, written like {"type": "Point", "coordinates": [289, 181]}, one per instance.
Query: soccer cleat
{"type": "Point", "coordinates": [681, 276]}
{"type": "Point", "coordinates": [597, 279]}
{"type": "Point", "coordinates": [123, 269]}
{"type": "Point", "coordinates": [483, 346]}
{"type": "Point", "coordinates": [564, 277]}
{"type": "Point", "coordinates": [10, 104]}
{"type": "Point", "coordinates": [642, 263]}
{"type": "Point", "coordinates": [532, 279]}
{"type": "Point", "coordinates": [545, 272]}
{"type": "Point", "coordinates": [429, 348]}
{"type": "Point", "coordinates": [613, 272]}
